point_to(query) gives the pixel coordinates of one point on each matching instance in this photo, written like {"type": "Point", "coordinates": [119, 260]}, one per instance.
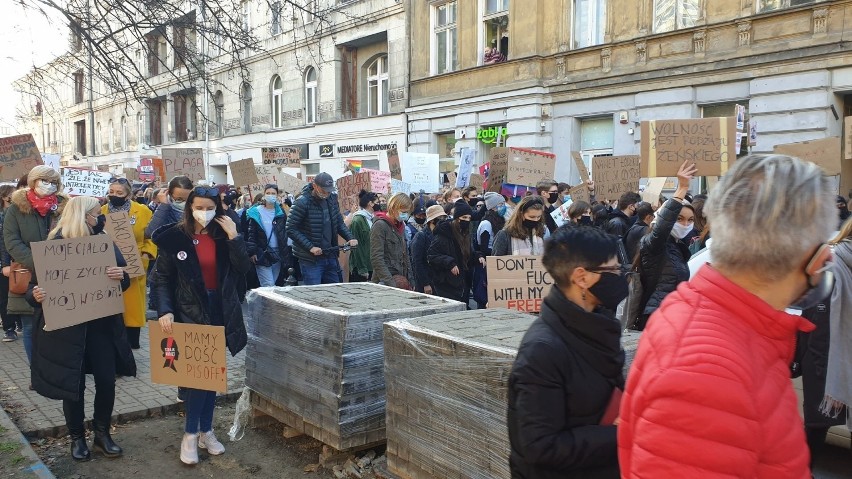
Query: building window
{"type": "Point", "coordinates": [110, 143]}
{"type": "Point", "coordinates": [181, 103]}
{"type": "Point", "coordinates": [155, 122]}
{"type": "Point", "coordinates": [311, 96]}
{"type": "Point", "coordinates": [245, 9]}
{"type": "Point", "coordinates": [445, 58]}
{"type": "Point", "coordinates": [770, 5]}
{"type": "Point", "coordinates": [219, 103]}
{"type": "Point", "coordinates": [597, 137]}
{"type": "Point", "coordinates": [140, 129]}
{"type": "Point", "coordinates": [79, 86]}
{"type": "Point", "coordinates": [245, 99]}
{"type": "Point", "coordinates": [123, 133]}
{"type": "Point", "coordinates": [672, 15]}
{"type": "Point", "coordinates": [277, 101]}
{"type": "Point", "coordinates": [589, 22]}
{"type": "Point", "coordinates": [495, 24]}
{"type": "Point", "coordinates": [446, 145]}
{"type": "Point", "coordinates": [98, 138]}
{"type": "Point", "coordinates": [80, 136]}
{"type": "Point", "coordinates": [377, 87]}
{"type": "Point", "coordinates": [310, 11]}
{"type": "Point", "coordinates": [275, 20]}
{"type": "Point", "coordinates": [312, 168]}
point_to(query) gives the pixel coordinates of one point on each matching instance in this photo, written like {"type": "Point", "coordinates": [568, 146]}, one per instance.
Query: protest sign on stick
{"type": "Point", "coordinates": [615, 175]}
{"type": "Point", "coordinates": [72, 273]}
{"type": "Point", "coordinates": [707, 142]}
{"type": "Point", "coordinates": [183, 161]}
{"type": "Point", "coordinates": [379, 181]}
{"type": "Point", "coordinates": [192, 356]}
{"type": "Point", "coordinates": [132, 174]}
{"type": "Point", "coordinates": [580, 193]}
{"type": "Point", "coordinates": [18, 155]}
{"type": "Point", "coordinates": [80, 182]}
{"type": "Point", "coordinates": [120, 229]}
{"type": "Point", "coordinates": [243, 172]}
{"type": "Point", "coordinates": [517, 282]}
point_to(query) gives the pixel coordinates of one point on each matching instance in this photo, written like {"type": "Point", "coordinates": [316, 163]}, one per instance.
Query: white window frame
{"type": "Point", "coordinates": [680, 21]}
{"type": "Point", "coordinates": [484, 16]}
{"type": "Point", "coordinates": [452, 57]}
{"type": "Point", "coordinates": [277, 106]}
{"type": "Point", "coordinates": [598, 24]}
{"type": "Point", "coordinates": [380, 79]}
{"type": "Point", "coordinates": [311, 96]}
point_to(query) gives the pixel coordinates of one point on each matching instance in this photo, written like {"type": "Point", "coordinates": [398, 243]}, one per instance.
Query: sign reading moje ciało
{"type": "Point", "coordinates": [517, 282]}
{"type": "Point", "coordinates": [192, 356]}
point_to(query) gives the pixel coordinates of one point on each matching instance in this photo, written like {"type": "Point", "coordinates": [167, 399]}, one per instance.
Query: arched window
{"type": "Point", "coordinates": [123, 133]}
{"type": "Point", "coordinates": [110, 143]}
{"type": "Point", "coordinates": [219, 101]}
{"type": "Point", "coordinates": [311, 95]}
{"type": "Point", "coordinates": [377, 87]}
{"type": "Point", "coordinates": [277, 101]}
{"type": "Point", "coordinates": [245, 98]}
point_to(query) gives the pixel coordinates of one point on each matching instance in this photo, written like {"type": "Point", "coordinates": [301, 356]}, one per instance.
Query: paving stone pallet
{"type": "Point", "coordinates": [315, 356]}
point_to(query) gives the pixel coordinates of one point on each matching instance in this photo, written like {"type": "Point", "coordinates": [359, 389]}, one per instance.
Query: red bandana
{"type": "Point", "coordinates": [42, 205]}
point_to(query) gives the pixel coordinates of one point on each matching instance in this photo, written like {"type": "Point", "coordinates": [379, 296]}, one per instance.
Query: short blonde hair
{"type": "Point", "coordinates": [46, 173]}
{"type": "Point", "coordinates": [399, 203]}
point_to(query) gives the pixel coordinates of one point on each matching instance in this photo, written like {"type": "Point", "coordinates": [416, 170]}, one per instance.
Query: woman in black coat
{"type": "Point", "coordinates": [451, 255]}
{"type": "Point", "coordinates": [200, 262]}
{"type": "Point", "coordinates": [63, 357]}
{"type": "Point", "coordinates": [567, 377]}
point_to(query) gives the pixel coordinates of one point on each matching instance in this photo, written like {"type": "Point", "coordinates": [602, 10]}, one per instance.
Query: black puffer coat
{"type": "Point", "coordinates": [305, 224]}
{"type": "Point", "coordinates": [664, 258]}
{"type": "Point", "coordinates": [812, 357]}
{"type": "Point", "coordinates": [257, 238]}
{"type": "Point", "coordinates": [445, 253]}
{"type": "Point", "coordinates": [180, 285]}
{"type": "Point", "coordinates": [567, 367]}
{"type": "Point", "coordinates": [58, 356]}
{"type": "Point", "coordinates": [419, 259]}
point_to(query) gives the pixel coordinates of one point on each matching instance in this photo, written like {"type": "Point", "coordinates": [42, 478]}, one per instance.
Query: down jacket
{"type": "Point", "coordinates": [180, 286]}
{"type": "Point", "coordinates": [664, 258]}
{"type": "Point", "coordinates": [388, 252]}
{"type": "Point", "coordinates": [305, 224]}
{"type": "Point", "coordinates": [709, 392]}
{"type": "Point", "coordinates": [443, 255]}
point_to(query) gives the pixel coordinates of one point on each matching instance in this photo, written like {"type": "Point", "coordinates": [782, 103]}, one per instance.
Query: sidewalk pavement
{"type": "Point", "coordinates": [135, 398]}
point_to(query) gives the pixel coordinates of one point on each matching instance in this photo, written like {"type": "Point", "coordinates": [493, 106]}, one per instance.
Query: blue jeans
{"type": "Point", "coordinates": [27, 322]}
{"type": "Point", "coordinates": [267, 275]}
{"type": "Point", "coordinates": [199, 411]}
{"type": "Point", "coordinates": [326, 270]}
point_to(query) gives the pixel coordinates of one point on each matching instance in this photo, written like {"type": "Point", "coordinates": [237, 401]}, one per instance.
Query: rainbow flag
{"type": "Point", "coordinates": [354, 165]}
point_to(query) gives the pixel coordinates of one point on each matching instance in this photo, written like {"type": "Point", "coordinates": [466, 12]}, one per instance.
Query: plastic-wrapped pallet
{"type": "Point", "coordinates": [316, 354]}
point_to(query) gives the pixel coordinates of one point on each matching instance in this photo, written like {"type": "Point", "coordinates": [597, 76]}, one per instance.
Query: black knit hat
{"type": "Point", "coordinates": [461, 208]}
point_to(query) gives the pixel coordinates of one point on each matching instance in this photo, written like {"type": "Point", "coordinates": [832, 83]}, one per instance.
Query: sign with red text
{"type": "Point", "coordinates": [192, 356]}
{"type": "Point", "coordinates": [18, 155]}
{"type": "Point", "coordinates": [379, 181]}
{"type": "Point", "coordinates": [707, 142]}
{"type": "Point", "coordinates": [517, 282]}
{"type": "Point", "coordinates": [183, 161]}
{"type": "Point", "coordinates": [528, 167]}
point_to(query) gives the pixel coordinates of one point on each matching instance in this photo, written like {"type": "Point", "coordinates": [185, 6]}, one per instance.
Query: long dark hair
{"type": "Point", "coordinates": [187, 223]}
{"type": "Point", "coordinates": [496, 219]}
{"type": "Point", "coordinates": [463, 241]}
{"type": "Point", "coordinates": [516, 228]}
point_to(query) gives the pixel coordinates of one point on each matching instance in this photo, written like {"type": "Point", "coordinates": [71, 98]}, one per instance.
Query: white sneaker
{"type": "Point", "coordinates": [189, 449]}
{"type": "Point", "coordinates": [207, 440]}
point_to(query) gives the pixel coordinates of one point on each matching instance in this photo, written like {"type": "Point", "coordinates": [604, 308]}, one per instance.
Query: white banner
{"type": "Point", "coordinates": [421, 171]}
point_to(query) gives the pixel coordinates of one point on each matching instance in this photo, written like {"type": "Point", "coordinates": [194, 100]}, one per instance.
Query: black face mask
{"type": "Point", "coordinates": [377, 207]}
{"type": "Point", "coordinates": [141, 200]}
{"type": "Point", "coordinates": [552, 197]}
{"type": "Point", "coordinates": [530, 224]}
{"type": "Point", "coordinates": [419, 221]}
{"type": "Point", "coordinates": [585, 221]}
{"type": "Point", "coordinates": [610, 290]}
{"type": "Point", "coordinates": [464, 226]}
{"type": "Point", "coordinates": [473, 202]}
{"type": "Point", "coordinates": [99, 226]}
{"type": "Point", "coordinates": [117, 200]}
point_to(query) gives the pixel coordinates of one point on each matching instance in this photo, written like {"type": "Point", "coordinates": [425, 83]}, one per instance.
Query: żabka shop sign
{"type": "Point", "coordinates": [490, 134]}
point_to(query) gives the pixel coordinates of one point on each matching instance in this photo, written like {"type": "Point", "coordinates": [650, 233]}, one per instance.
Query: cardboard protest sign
{"type": "Point", "coordinates": [348, 188]}
{"type": "Point", "coordinates": [847, 138]}
{"type": "Point", "coordinates": [421, 171]}
{"type": "Point", "coordinates": [398, 186]}
{"type": "Point", "coordinates": [528, 167]}
{"type": "Point", "coordinates": [653, 190]}
{"type": "Point", "coordinates": [72, 273]}
{"type": "Point", "coordinates": [51, 161]}
{"type": "Point", "coordinates": [581, 166]}
{"type": "Point", "coordinates": [184, 161]}
{"type": "Point", "coordinates": [159, 169]}
{"type": "Point", "coordinates": [393, 164]}
{"type": "Point", "coordinates": [379, 181]}
{"type": "Point", "coordinates": [476, 181]}
{"type": "Point", "coordinates": [119, 226]}
{"type": "Point", "coordinates": [192, 356]}
{"type": "Point", "coordinates": [560, 214]}
{"type": "Point", "coordinates": [452, 178]}
{"type": "Point", "coordinates": [290, 184]}
{"type": "Point", "coordinates": [517, 282]}
{"type": "Point", "coordinates": [580, 193]}
{"type": "Point", "coordinates": [465, 168]}
{"type": "Point", "coordinates": [825, 153]}
{"type": "Point", "coordinates": [615, 175]}
{"type": "Point", "coordinates": [243, 172]}
{"type": "Point", "coordinates": [266, 175]}
{"type": "Point", "coordinates": [707, 142]}
{"type": "Point", "coordinates": [498, 166]}
{"type": "Point", "coordinates": [132, 174]}
{"type": "Point", "coordinates": [289, 156]}
{"type": "Point", "coordinates": [18, 155]}
{"type": "Point", "coordinates": [80, 182]}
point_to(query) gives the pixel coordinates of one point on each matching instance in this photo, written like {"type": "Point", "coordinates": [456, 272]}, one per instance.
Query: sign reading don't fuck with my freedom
{"type": "Point", "coordinates": [517, 282]}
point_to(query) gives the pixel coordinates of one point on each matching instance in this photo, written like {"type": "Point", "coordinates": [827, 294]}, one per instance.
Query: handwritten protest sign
{"type": "Point", "coordinates": [421, 171]}
{"type": "Point", "coordinates": [18, 155]}
{"type": "Point", "coordinates": [243, 172]}
{"type": "Point", "coordinates": [498, 166]}
{"type": "Point", "coordinates": [847, 138]}
{"type": "Point", "coordinates": [476, 181]}
{"type": "Point", "coordinates": [72, 273]}
{"type": "Point", "coordinates": [398, 186]}
{"type": "Point", "coordinates": [581, 166]}
{"type": "Point", "coordinates": [120, 228]}
{"type": "Point", "coordinates": [289, 156]}
{"type": "Point", "coordinates": [132, 174]}
{"type": "Point", "coordinates": [825, 153]}
{"type": "Point", "coordinates": [528, 167]}
{"type": "Point", "coordinates": [517, 282]}
{"type": "Point", "coordinates": [580, 193]}
{"type": "Point", "coordinates": [615, 175]}
{"type": "Point", "coordinates": [653, 190]}
{"type": "Point", "coordinates": [184, 161]}
{"type": "Point", "coordinates": [379, 181]}
{"type": "Point", "coordinates": [348, 188]}
{"type": "Point", "coordinates": [393, 164]}
{"type": "Point", "coordinates": [290, 184]}
{"type": "Point", "coordinates": [465, 168]}
{"type": "Point", "coordinates": [192, 356]}
{"type": "Point", "coordinates": [80, 182]}
{"type": "Point", "coordinates": [707, 142]}
{"type": "Point", "coordinates": [266, 175]}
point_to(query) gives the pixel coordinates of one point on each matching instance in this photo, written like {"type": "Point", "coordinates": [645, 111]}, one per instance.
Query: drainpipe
{"type": "Point", "coordinates": [91, 93]}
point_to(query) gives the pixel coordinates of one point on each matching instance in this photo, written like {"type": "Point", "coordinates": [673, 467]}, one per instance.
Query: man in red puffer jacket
{"type": "Point", "coordinates": [709, 394]}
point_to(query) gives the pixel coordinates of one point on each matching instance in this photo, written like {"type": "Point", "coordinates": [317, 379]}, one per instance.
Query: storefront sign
{"type": "Point", "coordinates": [491, 134]}
{"type": "Point", "coordinates": [364, 148]}
{"type": "Point", "coordinates": [290, 155]}
{"type": "Point", "coordinates": [326, 151]}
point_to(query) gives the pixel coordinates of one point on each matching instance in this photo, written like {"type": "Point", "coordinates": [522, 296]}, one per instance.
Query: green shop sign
{"type": "Point", "coordinates": [489, 135]}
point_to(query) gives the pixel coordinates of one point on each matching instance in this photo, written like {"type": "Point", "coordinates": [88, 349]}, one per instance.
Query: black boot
{"type": "Point", "coordinates": [79, 448]}
{"type": "Point", "coordinates": [103, 442]}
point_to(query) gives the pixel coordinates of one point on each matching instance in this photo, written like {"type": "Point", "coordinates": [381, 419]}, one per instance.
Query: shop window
{"type": "Point", "coordinates": [446, 145]}
{"type": "Point", "coordinates": [312, 168]}
{"type": "Point", "coordinates": [730, 109]}
{"type": "Point", "coordinates": [377, 87]}
{"type": "Point", "coordinates": [370, 165]}
{"type": "Point", "coordinates": [597, 136]}
{"type": "Point", "coordinates": [311, 96]}
{"type": "Point", "coordinates": [277, 101]}
{"type": "Point", "coordinates": [495, 24]}
{"type": "Point", "coordinates": [589, 22]}
{"type": "Point", "coordinates": [672, 15]}
{"type": "Point", "coordinates": [770, 5]}
{"type": "Point", "coordinates": [444, 38]}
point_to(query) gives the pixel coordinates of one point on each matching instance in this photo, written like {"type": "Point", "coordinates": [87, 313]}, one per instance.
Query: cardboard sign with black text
{"type": "Point", "coordinates": [243, 172]}
{"type": "Point", "coordinates": [707, 142]}
{"type": "Point", "coordinates": [517, 282]}
{"type": "Point", "coordinates": [393, 164]}
{"type": "Point", "coordinates": [192, 356]}
{"type": "Point", "coordinates": [266, 175]}
{"type": "Point", "coordinates": [580, 193]}
{"type": "Point", "coordinates": [183, 161]}
{"type": "Point", "coordinates": [120, 228]}
{"type": "Point", "coordinates": [132, 174]}
{"type": "Point", "coordinates": [72, 273]}
{"type": "Point", "coordinates": [824, 152]}
{"type": "Point", "coordinates": [615, 175]}
{"type": "Point", "coordinates": [18, 155]}
{"type": "Point", "coordinates": [499, 164]}
{"type": "Point", "coordinates": [528, 167]}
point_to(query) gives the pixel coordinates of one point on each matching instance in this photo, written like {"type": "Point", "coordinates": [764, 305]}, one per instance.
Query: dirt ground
{"type": "Point", "coordinates": [152, 449]}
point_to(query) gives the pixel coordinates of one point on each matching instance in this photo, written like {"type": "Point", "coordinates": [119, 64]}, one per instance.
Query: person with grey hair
{"type": "Point", "coordinates": [711, 376]}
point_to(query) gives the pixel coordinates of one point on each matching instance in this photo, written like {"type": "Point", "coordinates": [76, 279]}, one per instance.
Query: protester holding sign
{"type": "Point", "coordinates": [663, 255]}
{"type": "Point", "coordinates": [524, 232]}
{"type": "Point", "coordinates": [451, 256]}
{"type": "Point", "coordinates": [388, 249]}
{"type": "Point", "coordinates": [360, 267]}
{"type": "Point", "coordinates": [566, 382]}
{"type": "Point", "coordinates": [63, 357]}
{"type": "Point", "coordinates": [139, 217]}
{"type": "Point", "coordinates": [266, 237]}
{"type": "Point", "coordinates": [201, 261]}
{"type": "Point", "coordinates": [33, 213]}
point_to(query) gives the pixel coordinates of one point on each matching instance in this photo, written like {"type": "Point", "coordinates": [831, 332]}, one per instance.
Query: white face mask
{"type": "Point", "coordinates": [680, 231]}
{"type": "Point", "coordinates": [45, 188]}
{"type": "Point", "coordinates": [204, 217]}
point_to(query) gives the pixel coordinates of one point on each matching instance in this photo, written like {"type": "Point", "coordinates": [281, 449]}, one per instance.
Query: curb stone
{"type": "Point", "coordinates": [33, 464]}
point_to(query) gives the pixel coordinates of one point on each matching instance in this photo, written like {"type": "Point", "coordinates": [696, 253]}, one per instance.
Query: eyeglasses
{"type": "Point", "coordinates": [206, 191]}
{"type": "Point", "coordinates": [620, 270]}
{"type": "Point", "coordinates": [122, 181]}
